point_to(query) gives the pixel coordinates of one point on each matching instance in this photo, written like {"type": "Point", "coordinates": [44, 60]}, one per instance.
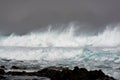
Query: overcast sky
{"type": "Point", "coordinates": [22, 16]}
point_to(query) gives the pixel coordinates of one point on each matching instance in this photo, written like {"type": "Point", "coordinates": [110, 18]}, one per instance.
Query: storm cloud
{"type": "Point", "coordinates": [22, 16]}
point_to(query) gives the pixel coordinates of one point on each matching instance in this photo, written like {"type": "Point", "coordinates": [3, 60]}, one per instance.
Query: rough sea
{"type": "Point", "coordinates": [52, 48]}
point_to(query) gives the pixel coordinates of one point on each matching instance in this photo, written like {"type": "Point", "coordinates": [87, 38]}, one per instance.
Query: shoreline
{"type": "Point", "coordinates": [53, 73]}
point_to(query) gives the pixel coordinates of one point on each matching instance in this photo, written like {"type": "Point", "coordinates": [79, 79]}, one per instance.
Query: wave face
{"type": "Point", "coordinates": [54, 48]}
{"type": "Point", "coordinates": [66, 38]}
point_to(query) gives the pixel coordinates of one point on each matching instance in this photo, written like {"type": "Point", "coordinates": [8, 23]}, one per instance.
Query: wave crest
{"type": "Point", "coordinates": [108, 38]}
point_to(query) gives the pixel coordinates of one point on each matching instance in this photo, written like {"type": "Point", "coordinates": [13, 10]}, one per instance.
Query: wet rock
{"type": "Point", "coordinates": [2, 77]}
{"type": "Point", "coordinates": [19, 67]}
{"type": "Point", "coordinates": [16, 73]}
{"type": "Point", "coordinates": [2, 72]}
{"type": "Point", "coordinates": [60, 73]}
{"type": "Point", "coordinates": [79, 74]}
{"type": "Point", "coordinates": [2, 67]}
{"type": "Point", "coordinates": [15, 67]}
{"type": "Point", "coordinates": [95, 74]}
{"type": "Point", "coordinates": [75, 74]}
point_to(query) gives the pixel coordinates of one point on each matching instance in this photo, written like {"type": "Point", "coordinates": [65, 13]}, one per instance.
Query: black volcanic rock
{"type": "Point", "coordinates": [2, 72]}
{"type": "Point", "coordinates": [60, 73]}
{"type": "Point", "coordinates": [2, 77]}
{"type": "Point", "coordinates": [16, 73]}
{"type": "Point", "coordinates": [2, 67]}
{"type": "Point", "coordinates": [15, 67]}
{"type": "Point", "coordinates": [96, 74]}
{"type": "Point", "coordinates": [75, 74]}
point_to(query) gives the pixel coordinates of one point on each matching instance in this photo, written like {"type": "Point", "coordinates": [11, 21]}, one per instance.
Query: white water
{"type": "Point", "coordinates": [108, 38]}
{"type": "Point", "coordinates": [53, 48]}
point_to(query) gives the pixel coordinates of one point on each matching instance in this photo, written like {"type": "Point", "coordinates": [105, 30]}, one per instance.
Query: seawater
{"type": "Point", "coordinates": [50, 48]}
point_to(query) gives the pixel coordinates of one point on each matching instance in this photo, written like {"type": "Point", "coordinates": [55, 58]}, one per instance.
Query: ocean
{"type": "Point", "coordinates": [52, 48]}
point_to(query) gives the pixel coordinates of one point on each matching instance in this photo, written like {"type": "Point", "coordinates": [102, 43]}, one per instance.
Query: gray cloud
{"type": "Point", "coordinates": [21, 16]}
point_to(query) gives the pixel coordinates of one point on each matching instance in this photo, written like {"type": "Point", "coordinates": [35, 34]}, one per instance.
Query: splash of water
{"type": "Point", "coordinates": [64, 48]}
{"type": "Point", "coordinates": [66, 38]}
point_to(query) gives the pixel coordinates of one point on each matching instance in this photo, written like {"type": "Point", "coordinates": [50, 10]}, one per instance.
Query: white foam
{"type": "Point", "coordinates": [66, 38]}
{"type": "Point", "coordinates": [90, 58]}
{"type": "Point", "coordinates": [64, 48]}
{"type": "Point", "coordinates": [37, 53]}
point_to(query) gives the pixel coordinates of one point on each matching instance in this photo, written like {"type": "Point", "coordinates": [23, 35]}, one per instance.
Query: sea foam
{"type": "Point", "coordinates": [54, 48]}
{"type": "Point", "coordinates": [66, 38]}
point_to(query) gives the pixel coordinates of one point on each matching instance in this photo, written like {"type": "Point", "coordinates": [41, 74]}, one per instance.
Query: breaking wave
{"type": "Point", "coordinates": [66, 38]}
{"type": "Point", "coordinates": [64, 48]}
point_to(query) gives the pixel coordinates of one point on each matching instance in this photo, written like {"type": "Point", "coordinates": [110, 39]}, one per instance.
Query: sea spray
{"type": "Point", "coordinates": [55, 48]}
{"type": "Point", "coordinates": [66, 38]}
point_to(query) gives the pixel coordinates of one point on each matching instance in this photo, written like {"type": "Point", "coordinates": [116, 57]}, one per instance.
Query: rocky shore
{"type": "Point", "coordinates": [58, 73]}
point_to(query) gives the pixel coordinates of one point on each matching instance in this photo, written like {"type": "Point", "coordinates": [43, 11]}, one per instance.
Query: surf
{"type": "Point", "coordinates": [63, 48]}
{"type": "Point", "coordinates": [66, 38]}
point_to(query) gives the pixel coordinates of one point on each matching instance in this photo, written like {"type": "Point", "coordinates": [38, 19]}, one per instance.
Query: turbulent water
{"type": "Point", "coordinates": [54, 48]}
